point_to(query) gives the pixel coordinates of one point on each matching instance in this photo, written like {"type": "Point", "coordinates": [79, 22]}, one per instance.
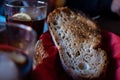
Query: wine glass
{"type": "Point", "coordinates": [16, 44]}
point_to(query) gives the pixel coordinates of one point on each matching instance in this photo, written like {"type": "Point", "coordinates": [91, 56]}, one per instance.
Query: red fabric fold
{"type": "Point", "coordinates": [51, 68]}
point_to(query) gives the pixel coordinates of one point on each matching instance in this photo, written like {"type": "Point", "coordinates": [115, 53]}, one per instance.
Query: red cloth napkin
{"type": "Point", "coordinates": [51, 69]}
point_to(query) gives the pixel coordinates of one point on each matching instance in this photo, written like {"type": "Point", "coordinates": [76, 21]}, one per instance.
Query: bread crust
{"type": "Point", "coordinates": [78, 40]}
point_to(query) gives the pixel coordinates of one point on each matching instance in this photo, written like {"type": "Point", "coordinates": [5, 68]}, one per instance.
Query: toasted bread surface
{"type": "Point", "coordinates": [78, 40]}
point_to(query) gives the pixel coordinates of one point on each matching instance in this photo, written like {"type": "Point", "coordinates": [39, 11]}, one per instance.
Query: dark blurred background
{"type": "Point", "coordinates": [99, 10]}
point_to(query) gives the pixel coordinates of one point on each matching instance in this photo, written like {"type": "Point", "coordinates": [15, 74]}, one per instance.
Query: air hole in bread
{"type": "Point", "coordinates": [77, 54]}
{"type": "Point", "coordinates": [55, 23]}
{"type": "Point", "coordinates": [87, 57]}
{"type": "Point", "coordinates": [63, 36]}
{"type": "Point", "coordinates": [88, 50]}
{"type": "Point", "coordinates": [67, 39]}
{"type": "Point", "coordinates": [83, 66]}
{"type": "Point", "coordinates": [69, 45]}
{"type": "Point", "coordinates": [75, 44]}
{"type": "Point", "coordinates": [73, 67]}
{"type": "Point", "coordinates": [55, 28]}
{"type": "Point", "coordinates": [61, 15]}
{"type": "Point", "coordinates": [65, 19]}
{"type": "Point", "coordinates": [59, 34]}
{"type": "Point", "coordinates": [68, 54]}
{"type": "Point", "coordinates": [58, 27]}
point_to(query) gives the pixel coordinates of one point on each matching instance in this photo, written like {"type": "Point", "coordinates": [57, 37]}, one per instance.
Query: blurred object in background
{"type": "Point", "coordinates": [31, 13]}
{"type": "Point", "coordinates": [91, 8]}
{"type": "Point", "coordinates": [48, 5]}
{"type": "Point", "coordinates": [115, 6]}
{"type": "Point", "coordinates": [17, 48]}
{"type": "Point", "coordinates": [2, 18]}
{"type": "Point", "coordinates": [57, 3]}
{"type": "Point", "coordinates": [2, 7]}
{"type": "Point", "coordinates": [6, 64]}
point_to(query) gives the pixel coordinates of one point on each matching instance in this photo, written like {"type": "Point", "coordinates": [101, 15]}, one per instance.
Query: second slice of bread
{"type": "Point", "coordinates": [78, 41]}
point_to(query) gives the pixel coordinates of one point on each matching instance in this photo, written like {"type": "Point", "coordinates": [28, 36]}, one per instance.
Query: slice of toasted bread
{"type": "Point", "coordinates": [78, 41]}
{"type": "Point", "coordinates": [40, 53]}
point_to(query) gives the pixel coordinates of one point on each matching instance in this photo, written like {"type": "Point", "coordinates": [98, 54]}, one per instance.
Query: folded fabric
{"type": "Point", "coordinates": [51, 69]}
{"type": "Point", "coordinates": [111, 44]}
